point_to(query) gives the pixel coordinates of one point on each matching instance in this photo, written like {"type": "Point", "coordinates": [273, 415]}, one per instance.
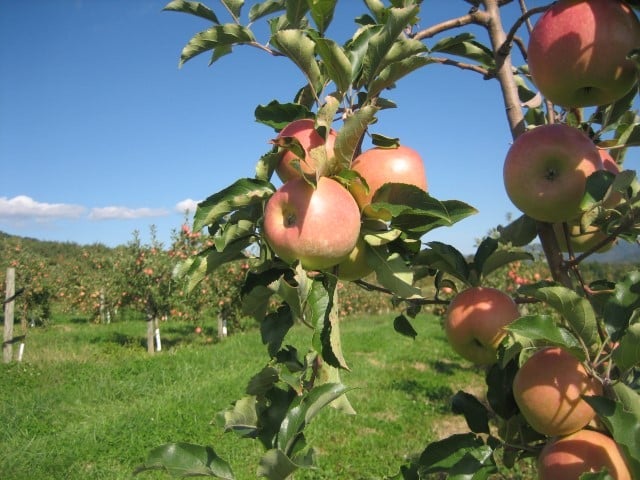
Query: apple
{"type": "Point", "coordinates": [380, 165]}
{"type": "Point", "coordinates": [585, 451]}
{"type": "Point", "coordinates": [355, 266]}
{"type": "Point", "coordinates": [610, 165]}
{"type": "Point", "coordinates": [546, 169]}
{"type": "Point", "coordinates": [548, 387]}
{"type": "Point", "coordinates": [475, 321]}
{"type": "Point", "coordinates": [581, 241]}
{"type": "Point", "coordinates": [305, 132]}
{"type": "Point", "coordinates": [198, 330]}
{"type": "Point", "coordinates": [317, 226]}
{"type": "Point", "coordinates": [577, 52]}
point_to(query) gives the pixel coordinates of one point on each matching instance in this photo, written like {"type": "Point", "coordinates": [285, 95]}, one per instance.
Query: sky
{"type": "Point", "coordinates": [103, 135]}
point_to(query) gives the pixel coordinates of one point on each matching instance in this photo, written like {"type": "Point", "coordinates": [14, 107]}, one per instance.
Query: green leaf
{"type": "Point", "coordinates": [322, 13]}
{"type": "Point", "coordinates": [219, 36]}
{"type": "Point", "coordinates": [301, 414]}
{"type": "Point", "coordinates": [393, 273]}
{"type": "Point", "coordinates": [192, 8]}
{"type": "Point", "coordinates": [394, 72]}
{"type": "Point", "coordinates": [627, 354]}
{"type": "Point", "coordinates": [464, 45]}
{"type": "Point", "coordinates": [335, 62]}
{"type": "Point", "coordinates": [402, 325]}
{"type": "Point", "coordinates": [452, 454]}
{"type": "Point", "coordinates": [356, 48]}
{"type": "Point", "coordinates": [299, 48]}
{"type": "Point", "coordinates": [621, 306]}
{"type": "Point", "coordinates": [522, 231]}
{"type": "Point", "coordinates": [187, 460]}
{"type": "Point", "coordinates": [446, 259]}
{"type": "Point", "coordinates": [499, 382]}
{"type": "Point", "coordinates": [276, 465]}
{"type": "Point", "coordinates": [351, 133]}
{"type": "Point", "coordinates": [263, 9]}
{"type": "Point", "coordinates": [628, 397]}
{"type": "Point", "coordinates": [503, 257]}
{"type": "Point", "coordinates": [241, 418]}
{"type": "Point", "coordinates": [545, 328]}
{"type": "Point", "coordinates": [624, 427]}
{"type": "Point", "coordinates": [475, 413]}
{"type": "Point", "coordinates": [295, 12]}
{"type": "Point", "coordinates": [234, 6]}
{"type": "Point", "coordinates": [243, 192]}
{"type": "Point", "coordinates": [329, 374]}
{"type": "Point", "coordinates": [279, 115]}
{"type": "Point", "coordinates": [381, 42]}
{"type": "Point", "coordinates": [274, 327]}
{"type": "Point", "coordinates": [326, 338]}
{"type": "Point", "coordinates": [576, 310]}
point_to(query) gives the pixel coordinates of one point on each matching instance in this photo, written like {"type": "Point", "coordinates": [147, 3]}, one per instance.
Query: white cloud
{"type": "Point", "coordinates": [24, 207]}
{"type": "Point", "coordinates": [125, 213]}
{"type": "Point", "coordinates": [187, 206]}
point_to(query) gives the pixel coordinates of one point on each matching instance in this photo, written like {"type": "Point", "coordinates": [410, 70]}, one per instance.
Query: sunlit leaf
{"type": "Point", "coordinates": [627, 354]}
{"type": "Point", "coordinates": [628, 398]}
{"type": "Point", "coordinates": [522, 231]}
{"type": "Point", "coordinates": [465, 45]}
{"type": "Point", "coordinates": [301, 50]}
{"type": "Point", "coordinates": [576, 310]}
{"type": "Point", "coordinates": [322, 13]}
{"type": "Point", "coordinates": [464, 451]}
{"type": "Point", "coordinates": [335, 62]}
{"type": "Point", "coordinates": [350, 135]}
{"type": "Point", "coordinates": [218, 36]}
{"type": "Point", "coordinates": [265, 8]}
{"type": "Point", "coordinates": [545, 328]}
{"type": "Point", "coordinates": [243, 192]}
{"type": "Point", "coordinates": [394, 72]}
{"type": "Point", "coordinates": [192, 8]}
{"type": "Point", "coordinates": [622, 305]}
{"type": "Point", "coordinates": [393, 273]}
{"type": "Point", "coordinates": [234, 6]}
{"type": "Point", "coordinates": [276, 465]}
{"type": "Point", "coordinates": [187, 460]}
{"type": "Point", "coordinates": [241, 418]}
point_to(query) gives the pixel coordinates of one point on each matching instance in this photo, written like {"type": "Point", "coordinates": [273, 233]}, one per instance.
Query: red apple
{"type": "Point", "coordinates": [578, 49]}
{"type": "Point", "coordinates": [585, 451]}
{"type": "Point", "coordinates": [475, 321]}
{"type": "Point", "coordinates": [548, 389]}
{"type": "Point", "coordinates": [386, 165]}
{"type": "Point", "coordinates": [304, 131]}
{"type": "Point", "coordinates": [546, 169]}
{"type": "Point", "coordinates": [318, 226]}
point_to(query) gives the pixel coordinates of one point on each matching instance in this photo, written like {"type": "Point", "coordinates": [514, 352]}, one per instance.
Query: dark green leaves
{"type": "Point", "coordinates": [219, 38]}
{"type": "Point", "coordinates": [187, 460]}
{"type": "Point", "coordinates": [465, 45]}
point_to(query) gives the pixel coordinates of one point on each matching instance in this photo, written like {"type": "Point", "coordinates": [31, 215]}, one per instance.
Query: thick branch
{"type": "Point", "coordinates": [515, 116]}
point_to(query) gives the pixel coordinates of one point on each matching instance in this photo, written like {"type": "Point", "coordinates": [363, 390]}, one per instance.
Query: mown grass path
{"type": "Point", "coordinates": [88, 402]}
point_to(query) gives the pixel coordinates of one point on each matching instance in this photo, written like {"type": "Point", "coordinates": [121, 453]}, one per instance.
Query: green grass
{"type": "Point", "coordinates": [88, 402]}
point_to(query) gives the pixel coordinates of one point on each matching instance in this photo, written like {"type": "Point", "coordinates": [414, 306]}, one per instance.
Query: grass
{"type": "Point", "coordinates": [88, 402]}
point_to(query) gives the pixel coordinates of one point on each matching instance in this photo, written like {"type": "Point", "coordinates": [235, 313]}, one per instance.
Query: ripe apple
{"type": "Point", "coordinates": [577, 52]}
{"type": "Point", "coordinates": [198, 330]}
{"type": "Point", "coordinates": [475, 321]}
{"type": "Point", "coordinates": [546, 169]}
{"type": "Point", "coordinates": [304, 131]}
{"type": "Point", "coordinates": [318, 226]}
{"type": "Point", "coordinates": [386, 165]}
{"type": "Point", "coordinates": [548, 387]}
{"type": "Point", "coordinates": [355, 266]}
{"type": "Point", "coordinates": [581, 241]}
{"type": "Point", "coordinates": [585, 451]}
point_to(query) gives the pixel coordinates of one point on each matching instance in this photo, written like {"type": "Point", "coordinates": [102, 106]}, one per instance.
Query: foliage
{"type": "Point", "coordinates": [346, 87]}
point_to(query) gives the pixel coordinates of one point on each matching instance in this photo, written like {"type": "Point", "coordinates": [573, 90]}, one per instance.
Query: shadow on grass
{"type": "Point", "coordinates": [425, 391]}
{"type": "Point", "coordinates": [445, 367]}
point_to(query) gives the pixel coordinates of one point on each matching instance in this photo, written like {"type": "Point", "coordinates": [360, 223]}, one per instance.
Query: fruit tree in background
{"type": "Point", "coordinates": [559, 384]}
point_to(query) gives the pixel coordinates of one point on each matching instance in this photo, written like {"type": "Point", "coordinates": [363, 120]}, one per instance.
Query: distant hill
{"type": "Point", "coordinates": [622, 252]}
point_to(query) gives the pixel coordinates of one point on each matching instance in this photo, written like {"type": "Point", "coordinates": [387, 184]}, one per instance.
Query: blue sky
{"type": "Point", "coordinates": [101, 134]}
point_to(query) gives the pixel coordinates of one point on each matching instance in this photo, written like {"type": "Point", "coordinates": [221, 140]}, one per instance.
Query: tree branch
{"type": "Point", "coordinates": [476, 17]}
{"type": "Point", "coordinates": [487, 74]}
{"type": "Point", "coordinates": [506, 46]}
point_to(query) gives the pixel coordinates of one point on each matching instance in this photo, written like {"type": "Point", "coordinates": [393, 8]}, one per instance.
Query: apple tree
{"type": "Point", "coordinates": [566, 109]}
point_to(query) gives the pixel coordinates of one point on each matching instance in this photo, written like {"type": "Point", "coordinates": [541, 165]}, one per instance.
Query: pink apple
{"type": "Point", "coordinates": [546, 169]}
{"type": "Point", "coordinates": [577, 52]}
{"type": "Point", "coordinates": [475, 321]}
{"type": "Point", "coordinates": [317, 226]}
{"type": "Point", "coordinates": [386, 165]}
{"type": "Point", "coordinates": [304, 131]}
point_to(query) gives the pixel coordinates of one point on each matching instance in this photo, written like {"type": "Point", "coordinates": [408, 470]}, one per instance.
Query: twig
{"type": "Point", "coordinates": [486, 73]}
{"type": "Point", "coordinates": [505, 48]}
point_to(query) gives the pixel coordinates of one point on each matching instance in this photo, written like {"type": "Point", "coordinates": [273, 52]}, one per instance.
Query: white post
{"type": "Point", "coordinates": [10, 291]}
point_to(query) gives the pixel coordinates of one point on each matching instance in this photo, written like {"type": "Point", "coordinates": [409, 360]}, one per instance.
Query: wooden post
{"type": "Point", "coordinates": [10, 290]}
